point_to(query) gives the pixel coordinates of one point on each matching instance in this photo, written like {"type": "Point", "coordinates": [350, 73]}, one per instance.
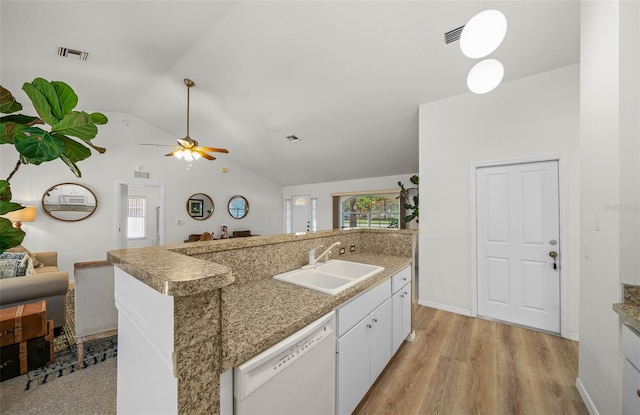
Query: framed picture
{"type": "Point", "coordinates": [196, 208]}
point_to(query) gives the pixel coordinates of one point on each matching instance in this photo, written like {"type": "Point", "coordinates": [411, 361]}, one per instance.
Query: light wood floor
{"type": "Point", "coordinates": [464, 365]}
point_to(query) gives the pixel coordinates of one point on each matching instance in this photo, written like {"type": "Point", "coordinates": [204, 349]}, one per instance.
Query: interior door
{"type": "Point", "coordinates": [154, 212]}
{"type": "Point", "coordinates": [518, 257]}
{"type": "Point", "coordinates": [301, 213]}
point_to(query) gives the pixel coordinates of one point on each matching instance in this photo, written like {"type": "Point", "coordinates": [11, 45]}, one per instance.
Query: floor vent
{"type": "Point", "coordinates": [141, 174]}
{"type": "Point", "coordinates": [452, 35]}
{"type": "Point", "coordinates": [65, 52]}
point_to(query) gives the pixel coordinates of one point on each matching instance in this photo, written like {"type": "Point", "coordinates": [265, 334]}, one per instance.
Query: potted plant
{"type": "Point", "coordinates": [67, 136]}
{"type": "Point", "coordinates": [410, 203]}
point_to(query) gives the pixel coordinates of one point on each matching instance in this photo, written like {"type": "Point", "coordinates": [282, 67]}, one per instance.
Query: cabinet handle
{"type": "Point", "coordinates": [369, 326]}
{"type": "Point", "coordinates": [375, 320]}
{"type": "Point", "coordinates": [405, 293]}
{"type": "Point", "coordinates": [404, 279]}
{"type": "Point", "coordinates": [638, 393]}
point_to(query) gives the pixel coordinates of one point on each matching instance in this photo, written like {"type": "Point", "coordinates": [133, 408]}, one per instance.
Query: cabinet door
{"type": "Point", "coordinates": [406, 310]}
{"type": "Point", "coordinates": [380, 338]}
{"type": "Point", "coordinates": [630, 389]}
{"type": "Point", "coordinates": [353, 366]}
{"type": "Point", "coordinates": [401, 302]}
{"type": "Point", "coordinates": [397, 338]}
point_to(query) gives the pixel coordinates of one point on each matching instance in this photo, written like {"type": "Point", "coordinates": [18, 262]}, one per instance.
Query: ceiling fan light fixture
{"type": "Point", "coordinates": [483, 33]}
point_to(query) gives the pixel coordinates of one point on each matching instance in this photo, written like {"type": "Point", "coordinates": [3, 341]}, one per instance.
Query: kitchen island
{"type": "Point", "coordinates": [225, 306]}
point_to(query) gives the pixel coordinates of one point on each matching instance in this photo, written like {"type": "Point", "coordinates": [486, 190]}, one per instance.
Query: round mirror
{"type": "Point", "coordinates": [238, 207]}
{"type": "Point", "coordinates": [200, 206]}
{"type": "Point", "coordinates": [69, 202]}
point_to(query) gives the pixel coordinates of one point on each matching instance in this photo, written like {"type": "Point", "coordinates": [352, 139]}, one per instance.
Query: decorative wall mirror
{"type": "Point", "coordinates": [200, 206]}
{"type": "Point", "coordinates": [238, 207]}
{"type": "Point", "coordinates": [69, 202]}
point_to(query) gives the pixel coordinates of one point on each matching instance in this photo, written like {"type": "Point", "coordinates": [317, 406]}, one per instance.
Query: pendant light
{"type": "Point", "coordinates": [483, 33]}
{"type": "Point", "coordinates": [485, 76]}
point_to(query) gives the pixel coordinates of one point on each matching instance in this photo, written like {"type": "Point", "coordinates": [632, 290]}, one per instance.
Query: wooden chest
{"type": "Point", "coordinates": [23, 322]}
{"type": "Point", "coordinates": [19, 358]}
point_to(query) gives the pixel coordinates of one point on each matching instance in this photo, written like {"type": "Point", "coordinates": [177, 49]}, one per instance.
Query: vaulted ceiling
{"type": "Point", "coordinates": [346, 77]}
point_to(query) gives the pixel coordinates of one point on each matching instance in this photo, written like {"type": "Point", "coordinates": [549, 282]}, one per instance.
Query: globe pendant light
{"type": "Point", "coordinates": [483, 33]}
{"type": "Point", "coordinates": [485, 76]}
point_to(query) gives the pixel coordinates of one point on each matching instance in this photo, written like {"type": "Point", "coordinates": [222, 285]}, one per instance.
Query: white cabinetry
{"type": "Point", "coordinates": [631, 372]}
{"type": "Point", "coordinates": [401, 301]}
{"type": "Point", "coordinates": [364, 344]}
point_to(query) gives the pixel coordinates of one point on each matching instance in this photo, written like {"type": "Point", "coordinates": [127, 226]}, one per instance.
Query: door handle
{"type": "Point", "coordinates": [554, 255]}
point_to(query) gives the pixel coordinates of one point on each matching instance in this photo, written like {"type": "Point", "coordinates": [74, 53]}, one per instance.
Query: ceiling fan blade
{"type": "Point", "coordinates": [157, 145]}
{"type": "Point", "coordinates": [205, 155]}
{"type": "Point", "coordinates": [173, 153]}
{"type": "Point", "coordinates": [217, 150]}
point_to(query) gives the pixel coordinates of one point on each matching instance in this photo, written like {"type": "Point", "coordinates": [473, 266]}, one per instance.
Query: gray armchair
{"type": "Point", "coordinates": [48, 283]}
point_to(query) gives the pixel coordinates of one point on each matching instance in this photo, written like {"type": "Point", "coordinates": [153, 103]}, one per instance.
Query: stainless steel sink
{"type": "Point", "coordinates": [330, 277]}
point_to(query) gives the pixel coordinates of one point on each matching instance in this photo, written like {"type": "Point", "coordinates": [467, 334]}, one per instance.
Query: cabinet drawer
{"type": "Point", "coordinates": [631, 346]}
{"type": "Point", "coordinates": [400, 279]}
{"type": "Point", "coordinates": [358, 308]}
{"type": "Point", "coordinates": [630, 389]}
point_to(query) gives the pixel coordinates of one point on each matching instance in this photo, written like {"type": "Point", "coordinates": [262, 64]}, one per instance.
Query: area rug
{"type": "Point", "coordinates": [66, 357]}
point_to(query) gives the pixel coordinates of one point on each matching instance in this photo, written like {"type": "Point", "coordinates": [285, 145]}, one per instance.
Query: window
{"type": "Point", "coordinates": [378, 210]}
{"type": "Point", "coordinates": [136, 219]}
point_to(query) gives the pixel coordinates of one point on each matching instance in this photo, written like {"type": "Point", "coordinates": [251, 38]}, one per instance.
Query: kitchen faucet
{"type": "Point", "coordinates": [312, 253]}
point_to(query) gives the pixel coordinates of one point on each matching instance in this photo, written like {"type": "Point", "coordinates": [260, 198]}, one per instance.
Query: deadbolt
{"type": "Point", "coordinates": [553, 254]}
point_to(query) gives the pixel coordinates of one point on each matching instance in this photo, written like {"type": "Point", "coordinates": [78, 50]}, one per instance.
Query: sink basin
{"type": "Point", "coordinates": [331, 277]}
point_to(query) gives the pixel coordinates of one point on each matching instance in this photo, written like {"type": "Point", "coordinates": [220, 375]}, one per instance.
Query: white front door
{"type": "Point", "coordinates": [301, 213]}
{"type": "Point", "coordinates": [517, 235]}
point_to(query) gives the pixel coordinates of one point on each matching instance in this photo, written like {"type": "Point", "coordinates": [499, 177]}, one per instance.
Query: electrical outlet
{"type": "Point", "coordinates": [352, 248]}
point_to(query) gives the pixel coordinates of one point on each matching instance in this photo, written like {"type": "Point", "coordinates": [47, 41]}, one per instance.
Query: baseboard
{"type": "Point", "coordinates": [586, 398]}
{"type": "Point", "coordinates": [574, 335]}
{"type": "Point", "coordinates": [445, 307]}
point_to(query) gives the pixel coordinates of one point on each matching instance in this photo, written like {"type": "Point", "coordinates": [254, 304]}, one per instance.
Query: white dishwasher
{"type": "Point", "coordinates": [296, 376]}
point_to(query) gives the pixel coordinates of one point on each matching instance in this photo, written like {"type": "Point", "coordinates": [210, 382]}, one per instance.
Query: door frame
{"type": "Point", "coordinates": [563, 262]}
{"type": "Point", "coordinates": [118, 200]}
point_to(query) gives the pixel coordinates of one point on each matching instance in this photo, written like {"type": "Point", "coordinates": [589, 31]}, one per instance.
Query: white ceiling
{"type": "Point", "coordinates": [346, 77]}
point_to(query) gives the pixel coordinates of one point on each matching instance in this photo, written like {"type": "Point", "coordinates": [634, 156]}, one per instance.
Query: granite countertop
{"type": "Point", "coordinates": [629, 309]}
{"type": "Point", "coordinates": [258, 315]}
{"type": "Point", "coordinates": [171, 273]}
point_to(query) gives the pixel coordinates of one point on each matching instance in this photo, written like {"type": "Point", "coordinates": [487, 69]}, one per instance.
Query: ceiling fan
{"type": "Point", "coordinates": [188, 148]}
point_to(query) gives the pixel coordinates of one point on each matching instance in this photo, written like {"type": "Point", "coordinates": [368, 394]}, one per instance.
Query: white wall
{"type": "Point", "coordinates": [609, 109]}
{"type": "Point", "coordinates": [323, 191]}
{"type": "Point", "coordinates": [89, 240]}
{"type": "Point", "coordinates": [534, 117]}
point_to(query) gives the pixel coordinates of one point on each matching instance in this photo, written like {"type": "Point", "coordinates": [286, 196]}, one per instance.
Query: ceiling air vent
{"type": "Point", "coordinates": [293, 138]}
{"type": "Point", "coordinates": [141, 174]}
{"type": "Point", "coordinates": [65, 52]}
{"type": "Point", "coordinates": [452, 35]}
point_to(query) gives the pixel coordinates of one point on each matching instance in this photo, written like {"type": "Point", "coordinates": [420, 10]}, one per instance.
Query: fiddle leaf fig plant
{"type": "Point", "coordinates": [405, 193]}
{"type": "Point", "coordinates": [65, 134]}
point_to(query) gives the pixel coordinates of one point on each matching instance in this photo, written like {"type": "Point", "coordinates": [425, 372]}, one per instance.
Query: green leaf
{"type": "Point", "coordinates": [40, 103]}
{"type": "Point", "coordinates": [37, 145]}
{"type": "Point", "coordinates": [73, 150]}
{"type": "Point", "coordinates": [51, 95]}
{"type": "Point", "coordinates": [8, 130]}
{"type": "Point", "coordinates": [9, 236]}
{"type": "Point", "coordinates": [414, 179]}
{"type": "Point", "coordinates": [27, 120]}
{"type": "Point", "coordinates": [6, 207]}
{"type": "Point", "coordinates": [8, 103]}
{"type": "Point", "coordinates": [74, 169]}
{"type": "Point", "coordinates": [99, 118]}
{"type": "Point", "coordinates": [68, 99]}
{"type": "Point", "coordinates": [5, 191]}
{"type": "Point", "coordinates": [76, 124]}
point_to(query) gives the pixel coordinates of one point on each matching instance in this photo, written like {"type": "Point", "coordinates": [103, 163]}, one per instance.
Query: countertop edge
{"type": "Point", "coordinates": [629, 313]}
